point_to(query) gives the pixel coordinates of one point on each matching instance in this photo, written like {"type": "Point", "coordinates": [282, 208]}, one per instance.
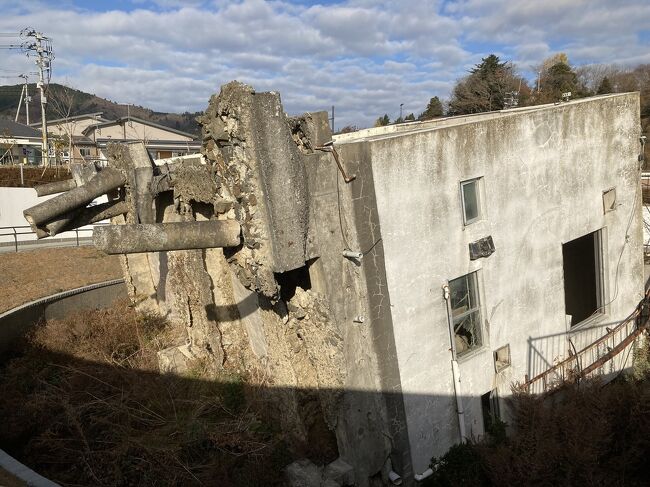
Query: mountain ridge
{"type": "Point", "coordinates": [64, 101]}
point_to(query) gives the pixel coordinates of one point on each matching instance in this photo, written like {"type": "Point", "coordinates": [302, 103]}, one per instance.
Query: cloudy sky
{"type": "Point", "coordinates": [365, 57]}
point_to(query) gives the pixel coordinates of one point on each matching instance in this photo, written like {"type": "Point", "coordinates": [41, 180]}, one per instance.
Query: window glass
{"type": "Point", "coordinates": [466, 312]}
{"type": "Point", "coordinates": [470, 201]}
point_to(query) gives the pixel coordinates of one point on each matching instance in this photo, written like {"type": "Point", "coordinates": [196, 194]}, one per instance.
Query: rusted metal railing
{"type": "Point", "coordinates": [584, 362]}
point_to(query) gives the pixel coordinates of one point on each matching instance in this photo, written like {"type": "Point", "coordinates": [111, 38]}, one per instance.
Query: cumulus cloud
{"type": "Point", "coordinates": [364, 56]}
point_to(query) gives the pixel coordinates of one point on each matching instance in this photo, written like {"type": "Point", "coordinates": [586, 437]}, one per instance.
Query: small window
{"type": "Point", "coordinates": [471, 200]}
{"type": "Point", "coordinates": [84, 151]}
{"type": "Point", "coordinates": [583, 277]}
{"type": "Point", "coordinates": [466, 313]}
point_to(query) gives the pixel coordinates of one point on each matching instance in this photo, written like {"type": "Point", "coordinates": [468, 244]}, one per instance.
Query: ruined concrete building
{"type": "Point", "coordinates": [390, 284]}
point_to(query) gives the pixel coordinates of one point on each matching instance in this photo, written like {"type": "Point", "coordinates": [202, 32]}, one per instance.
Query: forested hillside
{"type": "Point", "coordinates": [64, 101]}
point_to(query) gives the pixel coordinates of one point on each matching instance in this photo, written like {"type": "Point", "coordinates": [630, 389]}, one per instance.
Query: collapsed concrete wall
{"type": "Point", "coordinates": [286, 307]}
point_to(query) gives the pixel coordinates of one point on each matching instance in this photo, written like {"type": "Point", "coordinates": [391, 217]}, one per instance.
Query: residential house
{"type": "Point", "coordinates": [162, 142]}
{"type": "Point", "coordinates": [91, 133]}
{"type": "Point", "coordinates": [83, 148]}
{"type": "Point", "coordinates": [19, 143]}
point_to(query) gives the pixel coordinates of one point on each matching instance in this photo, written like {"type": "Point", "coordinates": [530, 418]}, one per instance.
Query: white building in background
{"type": "Point", "coordinates": [91, 133]}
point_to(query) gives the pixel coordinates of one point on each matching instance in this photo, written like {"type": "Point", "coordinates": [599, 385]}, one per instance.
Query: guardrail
{"type": "Point", "coordinates": [582, 363]}
{"type": "Point", "coordinates": [59, 241]}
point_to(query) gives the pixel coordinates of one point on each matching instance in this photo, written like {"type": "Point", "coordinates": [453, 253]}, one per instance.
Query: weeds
{"type": "Point", "coordinates": [586, 434]}
{"type": "Point", "coordinates": [85, 405]}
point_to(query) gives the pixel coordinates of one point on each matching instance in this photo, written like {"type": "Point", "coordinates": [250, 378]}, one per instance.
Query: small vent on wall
{"type": "Point", "coordinates": [481, 248]}
{"type": "Point", "coordinates": [609, 200]}
{"type": "Point", "coordinates": [502, 358]}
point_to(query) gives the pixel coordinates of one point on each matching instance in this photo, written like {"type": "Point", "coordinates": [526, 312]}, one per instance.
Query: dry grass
{"type": "Point", "coordinates": [84, 405]}
{"type": "Point", "coordinates": [38, 273]}
{"type": "Point", "coordinates": [588, 434]}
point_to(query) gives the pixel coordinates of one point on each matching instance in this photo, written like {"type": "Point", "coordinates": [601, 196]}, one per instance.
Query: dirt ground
{"type": "Point", "coordinates": [8, 480]}
{"type": "Point", "coordinates": [29, 275]}
{"type": "Point", "coordinates": [32, 176]}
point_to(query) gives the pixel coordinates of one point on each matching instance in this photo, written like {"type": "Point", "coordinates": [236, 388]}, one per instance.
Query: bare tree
{"type": "Point", "coordinates": [63, 101]}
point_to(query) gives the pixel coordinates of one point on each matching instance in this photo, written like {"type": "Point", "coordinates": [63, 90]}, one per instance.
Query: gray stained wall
{"type": "Point", "coordinates": [544, 172]}
{"type": "Point", "coordinates": [365, 351]}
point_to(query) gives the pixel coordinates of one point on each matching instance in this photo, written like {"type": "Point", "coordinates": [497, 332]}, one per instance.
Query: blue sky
{"type": "Point", "coordinates": [365, 57]}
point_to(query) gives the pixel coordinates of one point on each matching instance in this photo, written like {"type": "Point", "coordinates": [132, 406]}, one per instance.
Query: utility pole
{"type": "Point", "coordinates": [28, 99]}
{"type": "Point", "coordinates": [332, 118]}
{"type": "Point", "coordinates": [400, 111]}
{"type": "Point", "coordinates": [43, 48]}
{"type": "Point", "coordinates": [20, 103]}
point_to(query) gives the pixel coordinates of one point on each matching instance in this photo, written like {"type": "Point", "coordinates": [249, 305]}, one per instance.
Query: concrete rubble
{"type": "Point", "coordinates": [243, 252]}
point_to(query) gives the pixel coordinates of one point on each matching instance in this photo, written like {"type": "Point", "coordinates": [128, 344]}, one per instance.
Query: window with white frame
{"type": "Point", "coordinates": [466, 312]}
{"type": "Point", "coordinates": [84, 151]}
{"type": "Point", "coordinates": [470, 195]}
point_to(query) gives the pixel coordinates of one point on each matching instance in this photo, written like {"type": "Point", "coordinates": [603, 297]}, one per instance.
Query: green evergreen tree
{"type": "Point", "coordinates": [434, 109]}
{"type": "Point", "coordinates": [604, 87]}
{"type": "Point", "coordinates": [485, 88]}
{"type": "Point", "coordinates": [382, 121]}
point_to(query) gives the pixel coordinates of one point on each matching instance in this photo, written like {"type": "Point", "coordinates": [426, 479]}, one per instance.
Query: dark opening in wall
{"type": "Point", "coordinates": [490, 409]}
{"type": "Point", "coordinates": [582, 277]}
{"type": "Point", "coordinates": [290, 280]}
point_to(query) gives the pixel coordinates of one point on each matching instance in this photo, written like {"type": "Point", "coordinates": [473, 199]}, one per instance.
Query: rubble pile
{"type": "Point", "coordinates": [234, 248]}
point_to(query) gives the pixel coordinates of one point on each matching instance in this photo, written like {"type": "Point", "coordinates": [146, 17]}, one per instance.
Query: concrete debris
{"type": "Point", "coordinates": [55, 187]}
{"type": "Point", "coordinates": [175, 360]}
{"type": "Point", "coordinates": [197, 182]}
{"type": "Point", "coordinates": [339, 472]}
{"type": "Point", "coordinates": [303, 473]}
{"type": "Point", "coordinates": [75, 199]}
{"type": "Point", "coordinates": [240, 249]}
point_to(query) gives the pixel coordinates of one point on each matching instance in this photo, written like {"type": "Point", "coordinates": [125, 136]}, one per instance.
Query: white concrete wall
{"type": "Point", "coordinates": [544, 173]}
{"type": "Point", "coordinates": [13, 201]}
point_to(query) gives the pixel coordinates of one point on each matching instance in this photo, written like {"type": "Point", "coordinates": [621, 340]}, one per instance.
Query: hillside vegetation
{"type": "Point", "coordinates": [79, 102]}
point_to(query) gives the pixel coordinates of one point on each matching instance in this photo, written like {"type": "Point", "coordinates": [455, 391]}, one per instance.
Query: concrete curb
{"type": "Point", "coordinates": [24, 473]}
{"type": "Point", "coordinates": [8, 463]}
{"type": "Point", "coordinates": [57, 296]}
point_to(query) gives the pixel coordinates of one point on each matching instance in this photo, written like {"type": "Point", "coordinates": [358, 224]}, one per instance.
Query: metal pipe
{"type": "Point", "coordinates": [455, 371]}
{"type": "Point", "coordinates": [159, 237]}
{"type": "Point", "coordinates": [55, 187]}
{"type": "Point", "coordinates": [394, 478]}
{"type": "Point", "coordinates": [419, 477]}
{"type": "Point", "coordinates": [78, 197]}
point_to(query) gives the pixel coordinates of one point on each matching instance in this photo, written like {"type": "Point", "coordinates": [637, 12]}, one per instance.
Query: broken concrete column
{"type": "Point", "coordinates": [247, 138]}
{"type": "Point", "coordinates": [105, 181]}
{"type": "Point", "coordinates": [81, 174]}
{"type": "Point", "coordinates": [85, 216]}
{"type": "Point", "coordinates": [159, 237]}
{"type": "Point", "coordinates": [97, 213]}
{"type": "Point", "coordinates": [55, 187]}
